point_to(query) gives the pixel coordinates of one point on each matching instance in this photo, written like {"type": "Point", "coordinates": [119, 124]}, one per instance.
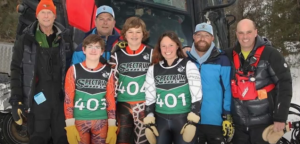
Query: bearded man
{"type": "Point", "coordinates": [215, 69]}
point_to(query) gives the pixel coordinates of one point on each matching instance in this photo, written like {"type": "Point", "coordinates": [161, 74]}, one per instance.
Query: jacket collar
{"type": "Point", "coordinates": [31, 29]}
{"type": "Point", "coordinates": [214, 54]}
{"type": "Point", "coordinates": [259, 41]}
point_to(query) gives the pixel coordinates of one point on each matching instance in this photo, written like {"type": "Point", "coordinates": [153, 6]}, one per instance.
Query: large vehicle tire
{"type": "Point", "coordinates": [10, 132]}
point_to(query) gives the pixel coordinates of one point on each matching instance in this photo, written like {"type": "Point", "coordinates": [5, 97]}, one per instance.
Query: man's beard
{"type": "Point", "coordinates": [202, 48]}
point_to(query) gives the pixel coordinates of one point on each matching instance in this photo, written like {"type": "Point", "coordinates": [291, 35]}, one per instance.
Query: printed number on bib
{"type": "Point", "coordinates": [131, 92]}
{"type": "Point", "coordinates": [80, 105]}
{"type": "Point", "coordinates": [159, 101]}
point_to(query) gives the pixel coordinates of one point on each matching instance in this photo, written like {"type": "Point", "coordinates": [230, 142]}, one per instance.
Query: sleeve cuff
{"type": "Point", "coordinates": [111, 122]}
{"type": "Point", "coordinates": [150, 114]}
{"type": "Point", "coordinates": [70, 122]}
{"type": "Point", "coordinates": [279, 120]}
{"type": "Point", "coordinates": [226, 112]}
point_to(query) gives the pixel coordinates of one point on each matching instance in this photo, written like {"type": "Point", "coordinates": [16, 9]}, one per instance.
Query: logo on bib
{"type": "Point", "coordinates": [180, 68]}
{"type": "Point", "coordinates": [91, 83]}
{"type": "Point", "coordinates": [170, 79]}
{"type": "Point", "coordinates": [146, 56]}
{"type": "Point", "coordinates": [105, 74]}
{"type": "Point", "coordinates": [133, 67]}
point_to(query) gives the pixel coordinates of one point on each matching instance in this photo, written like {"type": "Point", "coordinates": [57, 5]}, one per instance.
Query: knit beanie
{"type": "Point", "coordinates": [45, 4]}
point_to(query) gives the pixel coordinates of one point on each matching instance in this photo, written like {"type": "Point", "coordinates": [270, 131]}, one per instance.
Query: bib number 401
{"type": "Point", "coordinates": [133, 92]}
{"type": "Point", "coordinates": [159, 101]}
{"type": "Point", "coordinates": [80, 105]}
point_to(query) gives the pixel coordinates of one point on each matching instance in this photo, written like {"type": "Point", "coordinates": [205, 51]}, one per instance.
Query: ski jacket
{"type": "Point", "coordinates": [215, 79]}
{"type": "Point", "coordinates": [271, 68]}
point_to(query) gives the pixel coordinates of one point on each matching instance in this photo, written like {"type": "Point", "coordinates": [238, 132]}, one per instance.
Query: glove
{"type": "Point", "coordinates": [151, 130]}
{"type": "Point", "coordinates": [189, 129]}
{"type": "Point", "coordinates": [111, 137]}
{"type": "Point", "coordinates": [18, 112]}
{"type": "Point", "coordinates": [72, 132]}
{"type": "Point", "coordinates": [269, 135]}
{"type": "Point", "coordinates": [228, 129]}
{"type": "Point", "coordinates": [266, 132]}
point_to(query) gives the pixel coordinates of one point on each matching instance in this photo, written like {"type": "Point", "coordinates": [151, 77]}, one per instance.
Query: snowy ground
{"type": "Point", "coordinates": [295, 71]}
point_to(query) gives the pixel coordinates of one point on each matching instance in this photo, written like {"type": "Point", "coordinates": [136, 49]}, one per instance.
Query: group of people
{"type": "Point", "coordinates": [115, 89]}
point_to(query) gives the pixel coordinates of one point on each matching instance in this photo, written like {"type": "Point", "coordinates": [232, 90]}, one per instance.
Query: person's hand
{"type": "Point", "coordinates": [228, 130]}
{"type": "Point", "coordinates": [278, 126]}
{"type": "Point", "coordinates": [272, 136]}
{"type": "Point", "coordinates": [111, 137]}
{"type": "Point", "coordinates": [150, 131]}
{"type": "Point", "coordinates": [188, 131]}
{"type": "Point", "coordinates": [72, 133]}
{"type": "Point", "coordinates": [185, 49]}
{"type": "Point", "coordinates": [18, 112]}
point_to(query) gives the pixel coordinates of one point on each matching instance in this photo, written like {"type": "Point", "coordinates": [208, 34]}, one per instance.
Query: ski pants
{"type": "Point", "coordinates": [209, 134]}
{"type": "Point", "coordinates": [46, 120]}
{"type": "Point", "coordinates": [249, 135]}
{"type": "Point", "coordinates": [169, 127]}
{"type": "Point", "coordinates": [130, 117]}
{"type": "Point", "coordinates": [92, 131]}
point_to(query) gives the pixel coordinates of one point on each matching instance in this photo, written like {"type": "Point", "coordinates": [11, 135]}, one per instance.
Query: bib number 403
{"type": "Point", "coordinates": [133, 92]}
{"type": "Point", "coordinates": [159, 101]}
{"type": "Point", "coordinates": [80, 104]}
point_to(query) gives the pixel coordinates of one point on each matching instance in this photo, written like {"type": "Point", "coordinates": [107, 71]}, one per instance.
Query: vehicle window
{"type": "Point", "coordinates": [179, 4]}
{"type": "Point", "coordinates": [157, 21]}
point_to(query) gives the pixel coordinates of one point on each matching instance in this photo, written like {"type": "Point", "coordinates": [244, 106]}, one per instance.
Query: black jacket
{"type": "Point", "coordinates": [24, 65]}
{"type": "Point", "coordinates": [271, 68]}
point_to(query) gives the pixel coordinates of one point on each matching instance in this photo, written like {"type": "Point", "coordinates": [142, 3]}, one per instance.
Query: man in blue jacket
{"type": "Point", "coordinates": [215, 70]}
{"type": "Point", "coordinates": [105, 23]}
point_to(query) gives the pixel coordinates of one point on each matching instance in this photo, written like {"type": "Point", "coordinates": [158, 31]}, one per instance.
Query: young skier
{"type": "Point", "coordinates": [173, 94]}
{"type": "Point", "coordinates": [89, 101]}
{"type": "Point", "coordinates": [131, 61]}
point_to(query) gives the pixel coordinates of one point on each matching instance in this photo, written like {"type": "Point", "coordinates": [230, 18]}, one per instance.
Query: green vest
{"type": "Point", "coordinates": [172, 88]}
{"type": "Point", "coordinates": [90, 101]}
{"type": "Point", "coordinates": [131, 74]}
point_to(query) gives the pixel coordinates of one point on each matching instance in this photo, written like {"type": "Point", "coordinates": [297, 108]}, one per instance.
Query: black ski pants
{"type": "Point", "coordinates": [46, 120]}
{"type": "Point", "coordinates": [169, 127]}
{"type": "Point", "coordinates": [249, 135]}
{"type": "Point", "coordinates": [210, 133]}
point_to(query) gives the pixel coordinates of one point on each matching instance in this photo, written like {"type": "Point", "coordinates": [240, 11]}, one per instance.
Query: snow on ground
{"type": "Point", "coordinates": [295, 71]}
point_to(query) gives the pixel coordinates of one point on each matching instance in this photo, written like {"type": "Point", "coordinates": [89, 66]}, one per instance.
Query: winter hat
{"type": "Point", "coordinates": [46, 4]}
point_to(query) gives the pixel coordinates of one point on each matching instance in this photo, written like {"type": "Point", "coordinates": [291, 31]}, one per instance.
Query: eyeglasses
{"type": "Point", "coordinates": [93, 47]}
{"type": "Point", "coordinates": [206, 36]}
